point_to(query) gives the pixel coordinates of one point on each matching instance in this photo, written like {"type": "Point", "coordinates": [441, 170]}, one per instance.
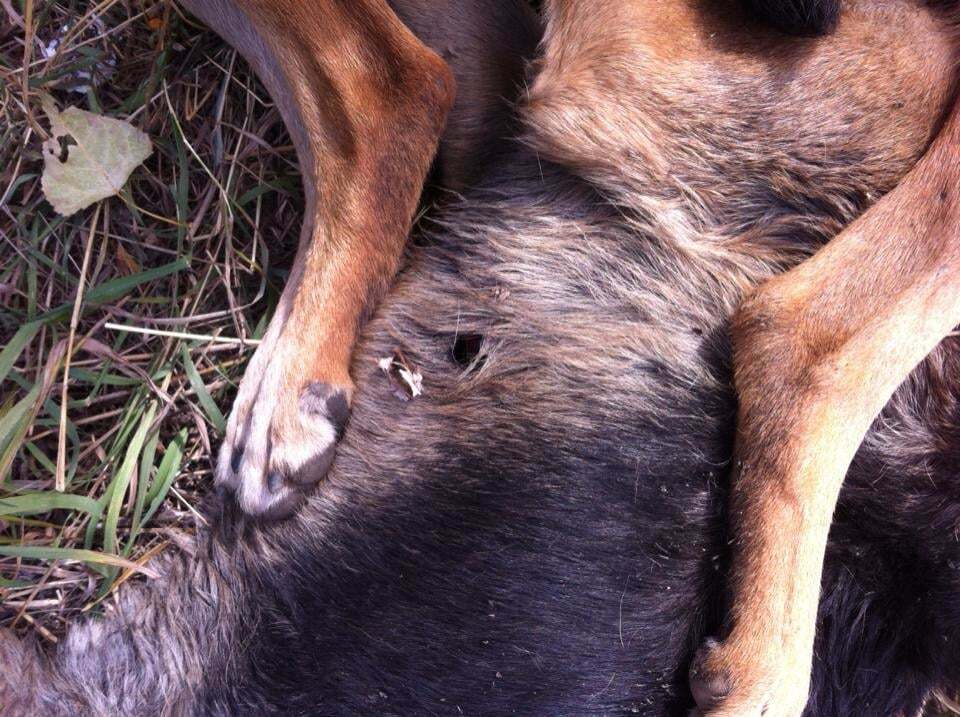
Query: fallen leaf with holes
{"type": "Point", "coordinates": [406, 381]}
{"type": "Point", "coordinates": [88, 157]}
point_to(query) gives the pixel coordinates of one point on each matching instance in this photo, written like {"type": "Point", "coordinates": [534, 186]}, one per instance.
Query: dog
{"type": "Point", "coordinates": [544, 530]}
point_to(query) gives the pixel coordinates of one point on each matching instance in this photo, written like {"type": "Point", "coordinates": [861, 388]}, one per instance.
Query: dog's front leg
{"type": "Point", "coordinates": [818, 351]}
{"type": "Point", "coordinates": [365, 103]}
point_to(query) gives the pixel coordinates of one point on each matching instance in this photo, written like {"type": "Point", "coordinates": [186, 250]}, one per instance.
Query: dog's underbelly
{"type": "Point", "coordinates": [542, 531]}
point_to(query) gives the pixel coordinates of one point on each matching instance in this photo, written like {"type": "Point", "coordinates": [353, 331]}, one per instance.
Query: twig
{"type": "Point", "coordinates": [181, 335]}
{"type": "Point", "coordinates": [186, 143]}
{"type": "Point", "coordinates": [11, 13]}
{"type": "Point", "coordinates": [60, 480]}
{"type": "Point", "coordinates": [44, 632]}
{"type": "Point", "coordinates": [28, 31]}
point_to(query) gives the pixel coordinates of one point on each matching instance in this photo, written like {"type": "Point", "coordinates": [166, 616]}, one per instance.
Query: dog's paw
{"type": "Point", "coordinates": [729, 682]}
{"type": "Point", "coordinates": [282, 433]}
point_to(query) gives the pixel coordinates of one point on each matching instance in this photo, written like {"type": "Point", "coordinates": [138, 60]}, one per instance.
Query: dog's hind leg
{"type": "Point", "coordinates": [487, 44]}
{"type": "Point", "coordinates": [818, 351]}
{"type": "Point", "coordinates": [365, 103]}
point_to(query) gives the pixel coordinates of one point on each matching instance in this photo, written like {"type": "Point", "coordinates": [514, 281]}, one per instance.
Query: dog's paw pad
{"type": "Point", "coordinates": [708, 686]}
{"type": "Point", "coordinates": [283, 447]}
{"type": "Point", "coordinates": [331, 402]}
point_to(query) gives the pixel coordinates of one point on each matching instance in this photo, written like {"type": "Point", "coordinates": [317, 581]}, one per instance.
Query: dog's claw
{"type": "Point", "coordinates": [765, 685]}
{"type": "Point", "coordinates": [276, 447]}
{"type": "Point", "coordinates": [708, 688]}
{"type": "Point", "coordinates": [235, 459]}
{"type": "Point", "coordinates": [274, 481]}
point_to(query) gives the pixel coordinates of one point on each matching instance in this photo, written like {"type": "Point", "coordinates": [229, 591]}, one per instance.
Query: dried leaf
{"type": "Point", "coordinates": [125, 262]}
{"type": "Point", "coordinates": [406, 381]}
{"type": "Point", "coordinates": [88, 157]}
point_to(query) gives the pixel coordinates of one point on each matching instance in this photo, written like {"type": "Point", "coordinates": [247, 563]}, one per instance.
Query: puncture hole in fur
{"type": "Point", "coordinates": [466, 348]}
{"type": "Point", "coordinates": [802, 18]}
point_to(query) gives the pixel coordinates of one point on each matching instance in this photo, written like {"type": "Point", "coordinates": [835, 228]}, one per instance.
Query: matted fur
{"type": "Point", "coordinates": [542, 531]}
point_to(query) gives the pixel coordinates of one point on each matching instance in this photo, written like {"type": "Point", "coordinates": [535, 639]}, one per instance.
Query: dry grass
{"type": "Point", "coordinates": [192, 245]}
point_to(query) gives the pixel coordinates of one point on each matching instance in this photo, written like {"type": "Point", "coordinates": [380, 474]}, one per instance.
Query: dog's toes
{"type": "Point", "coordinates": [258, 499]}
{"type": "Point", "coordinates": [707, 685]}
{"type": "Point", "coordinates": [236, 455]}
{"type": "Point", "coordinates": [283, 448]}
{"type": "Point", "coordinates": [730, 681]}
{"type": "Point", "coordinates": [325, 408]}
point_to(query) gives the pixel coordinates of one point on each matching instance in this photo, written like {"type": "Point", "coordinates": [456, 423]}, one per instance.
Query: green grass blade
{"type": "Point", "coordinates": [33, 503]}
{"type": "Point", "coordinates": [41, 458]}
{"type": "Point", "coordinates": [114, 289]}
{"type": "Point", "coordinates": [209, 406]}
{"type": "Point", "coordinates": [7, 583]}
{"type": "Point", "coordinates": [121, 480]}
{"type": "Point", "coordinates": [166, 474]}
{"type": "Point", "coordinates": [143, 481]}
{"type": "Point", "coordinates": [11, 352]}
{"type": "Point", "coordinates": [14, 426]}
{"type": "Point", "coordinates": [95, 560]}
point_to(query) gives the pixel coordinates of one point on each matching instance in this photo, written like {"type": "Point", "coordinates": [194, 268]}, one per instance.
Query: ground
{"type": "Point", "coordinates": [197, 242]}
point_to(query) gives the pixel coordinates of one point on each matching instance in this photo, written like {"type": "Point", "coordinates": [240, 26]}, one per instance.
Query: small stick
{"type": "Point", "coordinates": [28, 32]}
{"type": "Point", "coordinates": [44, 632]}
{"type": "Point", "coordinates": [12, 14]}
{"type": "Point", "coordinates": [181, 335]}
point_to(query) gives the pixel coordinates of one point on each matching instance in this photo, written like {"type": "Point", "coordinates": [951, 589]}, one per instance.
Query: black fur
{"type": "Point", "coordinates": [566, 557]}
{"type": "Point", "coordinates": [798, 17]}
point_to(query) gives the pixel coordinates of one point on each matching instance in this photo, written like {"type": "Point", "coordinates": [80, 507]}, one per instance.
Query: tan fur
{"type": "Point", "coordinates": [368, 106]}
{"type": "Point", "coordinates": [818, 353]}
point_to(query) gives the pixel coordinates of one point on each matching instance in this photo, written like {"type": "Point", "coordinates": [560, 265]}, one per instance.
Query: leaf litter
{"type": "Point", "coordinates": [88, 157]}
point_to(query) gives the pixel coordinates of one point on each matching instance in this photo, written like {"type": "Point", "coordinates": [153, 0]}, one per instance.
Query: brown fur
{"type": "Point", "coordinates": [486, 43]}
{"type": "Point", "coordinates": [795, 104]}
{"type": "Point", "coordinates": [808, 340]}
{"type": "Point", "coordinates": [366, 102]}
{"type": "Point", "coordinates": [818, 353]}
